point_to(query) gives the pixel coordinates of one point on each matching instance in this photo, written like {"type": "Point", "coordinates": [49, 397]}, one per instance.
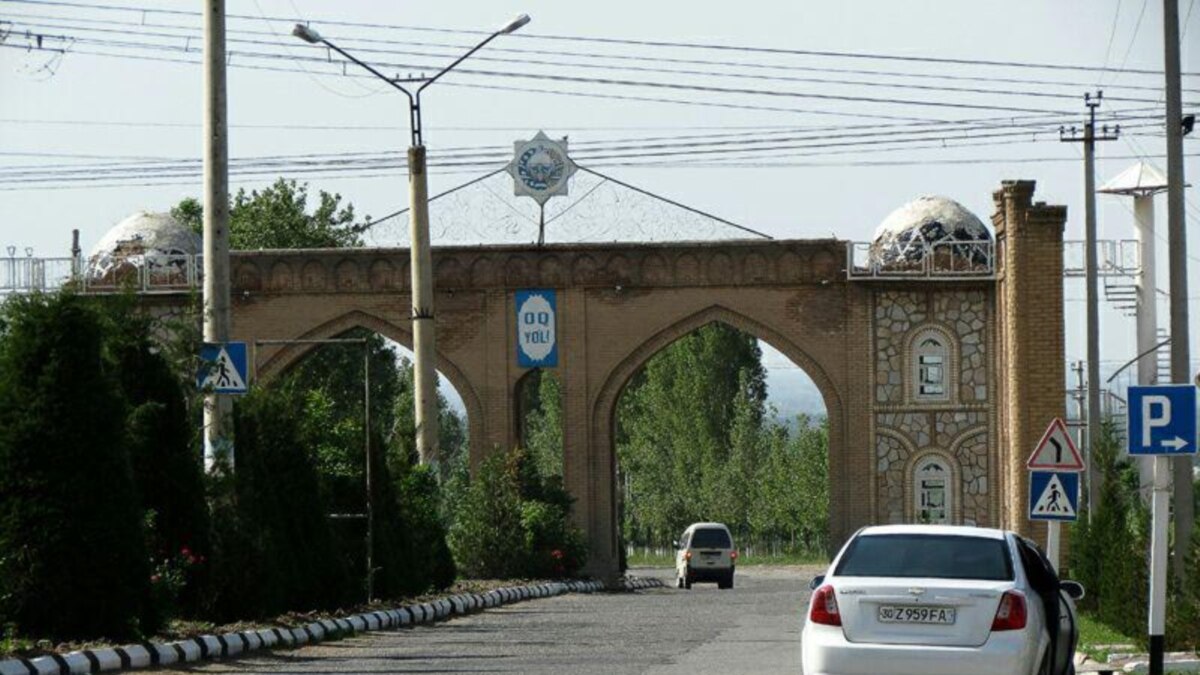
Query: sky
{"type": "Point", "coordinates": [797, 119]}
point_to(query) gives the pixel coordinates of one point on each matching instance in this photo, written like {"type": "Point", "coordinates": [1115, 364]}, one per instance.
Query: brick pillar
{"type": "Point", "coordinates": [1031, 352]}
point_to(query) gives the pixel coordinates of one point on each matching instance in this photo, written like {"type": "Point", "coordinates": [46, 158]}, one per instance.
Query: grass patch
{"type": "Point", "coordinates": [641, 558]}
{"type": "Point", "coordinates": [1093, 633]}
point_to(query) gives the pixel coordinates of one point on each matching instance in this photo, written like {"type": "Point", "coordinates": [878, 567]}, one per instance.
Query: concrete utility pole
{"type": "Point", "coordinates": [424, 354]}
{"type": "Point", "coordinates": [218, 446]}
{"type": "Point", "coordinates": [1177, 257]}
{"type": "Point", "coordinates": [1093, 296]}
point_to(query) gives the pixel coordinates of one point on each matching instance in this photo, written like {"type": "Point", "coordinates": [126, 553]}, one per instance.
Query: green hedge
{"type": "Point", "coordinates": [513, 522]}
{"type": "Point", "coordinates": [73, 564]}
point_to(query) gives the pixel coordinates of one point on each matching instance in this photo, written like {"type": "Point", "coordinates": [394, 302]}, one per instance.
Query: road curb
{"type": "Point", "coordinates": [211, 647]}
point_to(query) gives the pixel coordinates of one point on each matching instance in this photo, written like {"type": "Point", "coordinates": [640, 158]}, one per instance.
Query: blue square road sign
{"type": "Point", "coordinates": [223, 368]}
{"type": "Point", "coordinates": [1053, 495]}
{"type": "Point", "coordinates": [1162, 420]}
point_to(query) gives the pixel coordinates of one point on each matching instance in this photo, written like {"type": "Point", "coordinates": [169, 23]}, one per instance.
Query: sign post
{"type": "Point", "coordinates": [1162, 423]}
{"type": "Point", "coordinates": [1054, 469]}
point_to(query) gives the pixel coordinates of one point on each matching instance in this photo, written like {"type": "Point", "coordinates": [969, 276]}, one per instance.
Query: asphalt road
{"type": "Point", "coordinates": [753, 628]}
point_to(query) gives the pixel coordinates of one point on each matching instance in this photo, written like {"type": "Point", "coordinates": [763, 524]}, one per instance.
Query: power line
{"type": "Point", "coordinates": [603, 81]}
{"type": "Point", "coordinates": [559, 62]}
{"type": "Point", "coordinates": [42, 173]}
{"type": "Point", "coordinates": [619, 41]}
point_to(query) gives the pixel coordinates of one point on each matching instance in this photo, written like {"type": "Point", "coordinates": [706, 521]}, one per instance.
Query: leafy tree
{"type": "Point", "coordinates": [675, 423]}
{"type": "Point", "coordinates": [278, 217]}
{"type": "Point", "coordinates": [274, 548]}
{"type": "Point", "coordinates": [163, 448]}
{"type": "Point", "coordinates": [72, 558]}
{"type": "Point", "coordinates": [1109, 544]}
{"type": "Point", "coordinates": [543, 422]}
{"type": "Point", "coordinates": [514, 522]}
{"type": "Point", "coordinates": [695, 441]}
{"type": "Point", "coordinates": [402, 440]}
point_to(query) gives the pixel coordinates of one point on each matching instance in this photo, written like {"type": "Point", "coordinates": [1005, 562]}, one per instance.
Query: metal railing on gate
{"type": "Point", "coordinates": [141, 273]}
{"type": "Point", "coordinates": [940, 260]}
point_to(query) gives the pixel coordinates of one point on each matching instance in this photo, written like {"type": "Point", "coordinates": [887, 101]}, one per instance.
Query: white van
{"type": "Point", "coordinates": [705, 553]}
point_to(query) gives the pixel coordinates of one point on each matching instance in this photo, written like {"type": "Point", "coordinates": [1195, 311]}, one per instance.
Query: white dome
{"type": "Point", "coordinates": [144, 238]}
{"type": "Point", "coordinates": [907, 233]}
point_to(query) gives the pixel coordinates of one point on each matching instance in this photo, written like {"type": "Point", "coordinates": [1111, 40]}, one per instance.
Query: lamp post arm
{"type": "Point", "coordinates": [457, 61]}
{"type": "Point", "coordinates": [368, 67]}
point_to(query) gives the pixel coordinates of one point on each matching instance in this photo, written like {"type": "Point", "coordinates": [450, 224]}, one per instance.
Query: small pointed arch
{"type": "Point", "coordinates": [932, 356]}
{"type": "Point", "coordinates": [935, 493]}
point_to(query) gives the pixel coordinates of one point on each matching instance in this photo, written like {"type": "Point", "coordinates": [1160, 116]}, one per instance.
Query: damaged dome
{"type": "Point", "coordinates": [154, 241]}
{"type": "Point", "coordinates": [910, 232]}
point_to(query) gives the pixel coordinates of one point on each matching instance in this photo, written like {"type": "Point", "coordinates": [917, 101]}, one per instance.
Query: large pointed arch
{"type": "Point", "coordinates": [279, 361]}
{"type": "Point", "coordinates": [603, 411]}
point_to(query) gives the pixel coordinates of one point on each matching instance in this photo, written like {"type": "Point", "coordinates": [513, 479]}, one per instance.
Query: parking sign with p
{"type": "Point", "coordinates": [1162, 420]}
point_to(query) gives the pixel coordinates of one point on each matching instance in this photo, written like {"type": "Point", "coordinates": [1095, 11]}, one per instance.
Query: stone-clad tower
{"type": "Point", "coordinates": [1029, 330]}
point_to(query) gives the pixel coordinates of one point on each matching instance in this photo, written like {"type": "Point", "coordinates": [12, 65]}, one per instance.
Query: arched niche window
{"type": "Point", "coordinates": [931, 488]}
{"type": "Point", "coordinates": [931, 366]}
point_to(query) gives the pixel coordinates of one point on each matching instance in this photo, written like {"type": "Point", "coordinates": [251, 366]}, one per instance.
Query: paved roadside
{"type": "Point", "coordinates": [753, 628]}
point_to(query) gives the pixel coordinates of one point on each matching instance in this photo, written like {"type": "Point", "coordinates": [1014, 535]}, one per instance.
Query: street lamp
{"type": "Point", "coordinates": [424, 374]}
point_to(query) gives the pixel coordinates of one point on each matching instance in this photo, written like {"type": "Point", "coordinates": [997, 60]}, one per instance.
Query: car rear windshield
{"type": "Point", "coordinates": [927, 556]}
{"type": "Point", "coordinates": [711, 538]}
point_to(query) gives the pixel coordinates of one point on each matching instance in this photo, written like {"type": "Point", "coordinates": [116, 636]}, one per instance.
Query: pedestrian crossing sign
{"type": "Point", "coordinates": [1053, 495]}
{"type": "Point", "coordinates": [223, 368]}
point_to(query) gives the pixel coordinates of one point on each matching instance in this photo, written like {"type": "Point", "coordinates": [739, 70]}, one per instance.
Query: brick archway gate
{"type": "Point", "coordinates": [850, 328]}
{"type": "Point", "coordinates": [764, 323]}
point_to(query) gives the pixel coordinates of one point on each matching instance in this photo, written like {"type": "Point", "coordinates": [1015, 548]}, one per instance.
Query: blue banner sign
{"type": "Point", "coordinates": [537, 331]}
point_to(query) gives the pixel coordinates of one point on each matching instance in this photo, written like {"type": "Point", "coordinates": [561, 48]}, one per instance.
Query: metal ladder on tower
{"type": "Point", "coordinates": [1162, 358]}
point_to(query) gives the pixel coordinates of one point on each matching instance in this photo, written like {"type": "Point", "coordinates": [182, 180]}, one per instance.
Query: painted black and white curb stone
{"type": "Point", "coordinates": [229, 645]}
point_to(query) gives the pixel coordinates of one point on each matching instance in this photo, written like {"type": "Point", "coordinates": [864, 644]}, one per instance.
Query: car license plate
{"type": "Point", "coordinates": [916, 614]}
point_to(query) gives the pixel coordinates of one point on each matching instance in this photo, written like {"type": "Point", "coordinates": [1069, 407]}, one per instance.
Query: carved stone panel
{"type": "Point", "coordinates": [313, 276]}
{"type": "Point", "coordinates": [281, 277]}
{"type": "Point", "coordinates": [348, 275]}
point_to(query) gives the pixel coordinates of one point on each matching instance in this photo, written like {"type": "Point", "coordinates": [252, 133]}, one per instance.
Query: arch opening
{"type": "Point", "coordinates": [456, 395]}
{"type": "Point", "coordinates": [539, 414]}
{"type": "Point", "coordinates": [717, 424]}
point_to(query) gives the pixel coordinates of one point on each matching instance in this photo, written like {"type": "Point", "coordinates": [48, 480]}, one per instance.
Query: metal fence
{"type": "Point", "coordinates": [941, 260]}
{"type": "Point", "coordinates": [1114, 257]}
{"type": "Point", "coordinates": [142, 273]}
{"type": "Point", "coordinates": [28, 274]}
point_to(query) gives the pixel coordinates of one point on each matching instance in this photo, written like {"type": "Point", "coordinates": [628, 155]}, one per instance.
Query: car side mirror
{"type": "Point", "coordinates": [818, 580]}
{"type": "Point", "coordinates": [1073, 589]}
{"type": "Point", "coordinates": [675, 544]}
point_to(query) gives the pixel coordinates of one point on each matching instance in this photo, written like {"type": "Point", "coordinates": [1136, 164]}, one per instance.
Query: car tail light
{"type": "Point", "coordinates": [733, 555]}
{"type": "Point", "coordinates": [824, 607]}
{"type": "Point", "coordinates": [687, 555]}
{"type": "Point", "coordinates": [1011, 614]}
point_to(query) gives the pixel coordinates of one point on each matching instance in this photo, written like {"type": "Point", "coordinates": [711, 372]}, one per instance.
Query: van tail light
{"type": "Point", "coordinates": [687, 555]}
{"type": "Point", "coordinates": [824, 607]}
{"type": "Point", "coordinates": [1012, 612]}
{"type": "Point", "coordinates": [733, 555]}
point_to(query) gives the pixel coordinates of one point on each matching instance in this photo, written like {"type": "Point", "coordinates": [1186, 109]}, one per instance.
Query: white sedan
{"type": "Point", "coordinates": [940, 600]}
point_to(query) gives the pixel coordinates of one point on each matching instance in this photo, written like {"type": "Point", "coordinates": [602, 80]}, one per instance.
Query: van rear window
{"type": "Point", "coordinates": [711, 538]}
{"type": "Point", "coordinates": [927, 556]}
